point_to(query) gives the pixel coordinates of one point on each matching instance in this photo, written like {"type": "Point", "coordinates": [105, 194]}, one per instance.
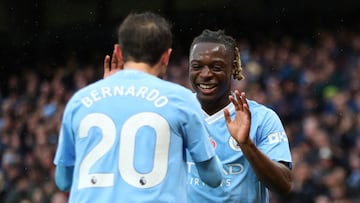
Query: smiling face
{"type": "Point", "coordinates": [210, 74]}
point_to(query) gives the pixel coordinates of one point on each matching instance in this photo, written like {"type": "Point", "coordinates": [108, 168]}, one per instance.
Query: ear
{"type": "Point", "coordinates": [165, 57]}
{"type": "Point", "coordinates": [118, 52]}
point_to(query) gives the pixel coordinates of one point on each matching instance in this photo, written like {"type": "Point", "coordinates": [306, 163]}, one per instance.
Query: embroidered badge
{"type": "Point", "coordinates": [233, 144]}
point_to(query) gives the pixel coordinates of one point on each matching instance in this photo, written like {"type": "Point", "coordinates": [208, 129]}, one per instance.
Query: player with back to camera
{"type": "Point", "coordinates": [123, 139]}
{"type": "Point", "coordinates": [253, 161]}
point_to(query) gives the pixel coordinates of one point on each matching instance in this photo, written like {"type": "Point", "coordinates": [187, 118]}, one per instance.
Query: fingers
{"type": "Point", "coordinates": [117, 57]}
{"type": "Point", "coordinates": [114, 60]}
{"type": "Point", "coordinates": [236, 102]}
{"type": "Point", "coordinates": [227, 116]}
{"type": "Point", "coordinates": [243, 99]}
{"type": "Point", "coordinates": [106, 65]}
{"type": "Point", "coordinates": [240, 103]}
{"type": "Point", "coordinates": [245, 104]}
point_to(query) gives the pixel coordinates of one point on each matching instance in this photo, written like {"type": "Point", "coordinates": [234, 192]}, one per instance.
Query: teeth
{"type": "Point", "coordinates": [203, 86]}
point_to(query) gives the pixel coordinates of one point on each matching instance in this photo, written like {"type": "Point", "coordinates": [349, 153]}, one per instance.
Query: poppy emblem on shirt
{"type": "Point", "coordinates": [233, 144]}
{"type": "Point", "coordinates": [213, 142]}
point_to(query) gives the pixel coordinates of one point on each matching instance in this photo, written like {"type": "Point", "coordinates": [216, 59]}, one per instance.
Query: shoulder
{"type": "Point", "coordinates": [265, 118]}
{"type": "Point", "coordinates": [255, 106]}
{"type": "Point", "coordinates": [258, 109]}
{"type": "Point", "coordinates": [180, 90]}
{"type": "Point", "coordinates": [183, 98]}
{"type": "Point", "coordinates": [85, 91]}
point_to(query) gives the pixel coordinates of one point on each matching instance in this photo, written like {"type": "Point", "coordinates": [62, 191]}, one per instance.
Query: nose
{"type": "Point", "coordinates": [205, 71]}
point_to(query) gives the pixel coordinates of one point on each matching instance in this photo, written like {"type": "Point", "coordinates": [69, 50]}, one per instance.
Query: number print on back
{"type": "Point", "coordinates": [126, 150]}
{"type": "Point", "coordinates": [127, 145]}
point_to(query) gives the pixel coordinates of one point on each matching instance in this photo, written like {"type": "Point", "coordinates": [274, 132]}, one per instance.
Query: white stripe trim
{"type": "Point", "coordinates": [218, 115]}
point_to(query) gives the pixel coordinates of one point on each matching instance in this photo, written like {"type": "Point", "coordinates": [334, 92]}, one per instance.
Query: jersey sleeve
{"type": "Point", "coordinates": [196, 132]}
{"type": "Point", "coordinates": [273, 140]}
{"type": "Point", "coordinates": [65, 152]}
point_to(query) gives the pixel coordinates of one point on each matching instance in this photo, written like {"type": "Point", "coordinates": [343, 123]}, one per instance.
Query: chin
{"type": "Point", "coordinates": [205, 98]}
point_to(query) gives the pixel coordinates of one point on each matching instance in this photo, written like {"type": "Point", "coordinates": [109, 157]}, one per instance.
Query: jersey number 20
{"type": "Point", "coordinates": [126, 150]}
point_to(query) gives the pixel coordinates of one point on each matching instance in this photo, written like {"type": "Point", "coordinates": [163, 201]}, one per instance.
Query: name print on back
{"type": "Point", "coordinates": [152, 95]}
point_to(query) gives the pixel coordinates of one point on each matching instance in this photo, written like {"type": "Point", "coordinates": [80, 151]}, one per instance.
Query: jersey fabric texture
{"type": "Point", "coordinates": [240, 183]}
{"type": "Point", "coordinates": [126, 137]}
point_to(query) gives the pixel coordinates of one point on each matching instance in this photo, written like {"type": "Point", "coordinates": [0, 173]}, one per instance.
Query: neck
{"type": "Point", "coordinates": [212, 106]}
{"type": "Point", "coordinates": [211, 109]}
{"type": "Point", "coordinates": [144, 67]}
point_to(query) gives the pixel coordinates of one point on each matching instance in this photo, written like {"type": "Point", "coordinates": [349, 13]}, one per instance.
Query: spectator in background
{"type": "Point", "coordinates": [344, 51]}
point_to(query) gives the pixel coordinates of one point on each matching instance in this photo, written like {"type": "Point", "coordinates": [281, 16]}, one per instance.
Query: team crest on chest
{"type": "Point", "coordinates": [213, 142]}
{"type": "Point", "coordinates": [233, 144]}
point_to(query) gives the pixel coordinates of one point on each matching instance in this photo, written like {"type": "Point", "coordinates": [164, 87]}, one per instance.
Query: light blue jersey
{"type": "Point", "coordinates": [126, 137]}
{"type": "Point", "coordinates": [240, 183]}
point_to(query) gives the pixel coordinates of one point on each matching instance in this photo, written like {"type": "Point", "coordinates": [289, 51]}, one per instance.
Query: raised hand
{"type": "Point", "coordinates": [116, 63]}
{"type": "Point", "coordinates": [239, 128]}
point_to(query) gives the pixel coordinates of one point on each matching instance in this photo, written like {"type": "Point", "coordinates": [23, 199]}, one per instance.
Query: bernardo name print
{"type": "Point", "coordinates": [152, 95]}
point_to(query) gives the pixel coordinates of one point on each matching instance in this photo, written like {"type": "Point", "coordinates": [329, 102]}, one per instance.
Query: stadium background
{"type": "Point", "coordinates": [49, 30]}
{"type": "Point", "coordinates": [48, 49]}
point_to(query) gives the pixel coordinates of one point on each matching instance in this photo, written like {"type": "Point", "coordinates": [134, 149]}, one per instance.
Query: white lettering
{"type": "Point", "coordinates": [161, 101]}
{"type": "Point", "coordinates": [227, 182]}
{"type": "Point", "coordinates": [142, 92]}
{"type": "Point", "coordinates": [95, 95]}
{"type": "Point", "coordinates": [105, 92]}
{"type": "Point", "coordinates": [198, 182]}
{"type": "Point", "coordinates": [152, 95]}
{"type": "Point", "coordinates": [130, 91]}
{"type": "Point", "coordinates": [190, 165]}
{"type": "Point", "coordinates": [118, 91]}
{"type": "Point", "coordinates": [277, 137]}
{"type": "Point", "coordinates": [235, 168]}
{"type": "Point", "coordinates": [228, 169]}
{"type": "Point", "coordinates": [87, 102]}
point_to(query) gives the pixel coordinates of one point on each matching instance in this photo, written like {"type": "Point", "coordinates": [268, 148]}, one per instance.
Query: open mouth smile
{"type": "Point", "coordinates": [207, 88]}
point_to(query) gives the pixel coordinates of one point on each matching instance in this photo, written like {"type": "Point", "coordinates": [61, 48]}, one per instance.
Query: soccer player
{"type": "Point", "coordinates": [256, 156]}
{"type": "Point", "coordinates": [253, 162]}
{"type": "Point", "coordinates": [123, 139]}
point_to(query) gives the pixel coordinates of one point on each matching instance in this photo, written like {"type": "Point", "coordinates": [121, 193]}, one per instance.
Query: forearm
{"type": "Point", "coordinates": [276, 176]}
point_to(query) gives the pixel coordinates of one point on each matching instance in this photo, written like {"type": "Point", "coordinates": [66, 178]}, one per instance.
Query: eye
{"type": "Point", "coordinates": [195, 66]}
{"type": "Point", "coordinates": [217, 68]}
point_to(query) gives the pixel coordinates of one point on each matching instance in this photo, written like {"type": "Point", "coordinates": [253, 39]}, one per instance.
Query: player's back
{"type": "Point", "coordinates": [132, 129]}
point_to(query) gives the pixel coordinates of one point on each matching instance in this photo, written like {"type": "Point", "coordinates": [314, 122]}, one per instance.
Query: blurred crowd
{"type": "Point", "coordinates": [313, 84]}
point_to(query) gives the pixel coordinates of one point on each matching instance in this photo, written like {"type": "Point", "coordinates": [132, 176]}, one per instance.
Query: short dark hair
{"type": "Point", "coordinates": [144, 37]}
{"type": "Point", "coordinates": [219, 36]}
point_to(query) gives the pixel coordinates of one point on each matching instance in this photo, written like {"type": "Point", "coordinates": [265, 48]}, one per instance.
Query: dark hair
{"type": "Point", "coordinates": [144, 37]}
{"type": "Point", "coordinates": [219, 36]}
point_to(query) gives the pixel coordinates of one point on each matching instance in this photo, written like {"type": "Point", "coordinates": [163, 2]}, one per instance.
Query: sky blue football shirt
{"type": "Point", "coordinates": [126, 137]}
{"type": "Point", "coordinates": [240, 183]}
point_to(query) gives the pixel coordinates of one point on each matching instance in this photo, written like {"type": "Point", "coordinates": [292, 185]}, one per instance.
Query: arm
{"type": "Point", "coordinates": [276, 176]}
{"type": "Point", "coordinates": [210, 171]}
{"type": "Point", "coordinates": [63, 177]}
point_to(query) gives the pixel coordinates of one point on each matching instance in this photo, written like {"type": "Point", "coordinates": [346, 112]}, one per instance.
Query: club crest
{"type": "Point", "coordinates": [233, 144]}
{"type": "Point", "coordinates": [213, 142]}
